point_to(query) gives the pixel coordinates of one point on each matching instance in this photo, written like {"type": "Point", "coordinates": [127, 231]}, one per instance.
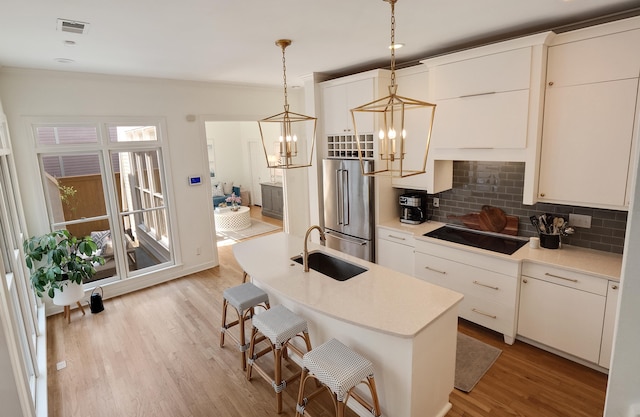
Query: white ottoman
{"type": "Point", "coordinates": [228, 220]}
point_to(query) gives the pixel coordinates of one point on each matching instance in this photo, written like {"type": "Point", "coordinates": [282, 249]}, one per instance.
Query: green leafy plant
{"type": "Point", "coordinates": [57, 256]}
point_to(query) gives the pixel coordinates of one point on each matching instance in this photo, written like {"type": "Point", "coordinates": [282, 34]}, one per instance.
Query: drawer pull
{"type": "Point", "coordinates": [559, 277]}
{"type": "Point", "coordinates": [484, 314]}
{"type": "Point", "coordinates": [435, 270]}
{"type": "Point", "coordinates": [614, 287]}
{"type": "Point", "coordinates": [485, 285]}
{"type": "Point", "coordinates": [478, 94]}
{"type": "Point", "coordinates": [396, 237]}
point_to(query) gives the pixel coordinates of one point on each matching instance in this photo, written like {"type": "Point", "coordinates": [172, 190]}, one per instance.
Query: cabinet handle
{"type": "Point", "coordinates": [541, 194]}
{"type": "Point", "coordinates": [524, 281]}
{"type": "Point", "coordinates": [435, 270]}
{"type": "Point", "coordinates": [614, 287]}
{"type": "Point", "coordinates": [478, 94]}
{"type": "Point", "coordinates": [396, 237]}
{"type": "Point", "coordinates": [484, 314]}
{"type": "Point", "coordinates": [550, 83]}
{"type": "Point", "coordinates": [558, 276]}
{"type": "Point", "coordinates": [485, 285]}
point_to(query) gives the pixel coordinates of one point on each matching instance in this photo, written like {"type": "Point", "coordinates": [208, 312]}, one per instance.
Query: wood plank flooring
{"type": "Point", "coordinates": [155, 353]}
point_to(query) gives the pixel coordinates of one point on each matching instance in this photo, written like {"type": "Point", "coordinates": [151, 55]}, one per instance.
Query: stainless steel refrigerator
{"type": "Point", "coordinates": [349, 219]}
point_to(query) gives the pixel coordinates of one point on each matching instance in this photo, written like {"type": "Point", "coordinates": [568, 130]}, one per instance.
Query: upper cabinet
{"type": "Point", "coordinates": [590, 118]}
{"type": "Point", "coordinates": [339, 99]}
{"type": "Point", "coordinates": [489, 103]}
{"type": "Point", "coordinates": [339, 96]}
{"type": "Point", "coordinates": [483, 103]}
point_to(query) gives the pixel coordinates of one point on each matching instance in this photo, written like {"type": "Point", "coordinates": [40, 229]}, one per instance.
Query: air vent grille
{"type": "Point", "coordinates": [73, 26]}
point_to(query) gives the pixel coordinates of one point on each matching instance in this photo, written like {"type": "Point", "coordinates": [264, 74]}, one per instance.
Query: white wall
{"type": "Point", "coordinates": [623, 389]}
{"type": "Point", "coordinates": [29, 93]}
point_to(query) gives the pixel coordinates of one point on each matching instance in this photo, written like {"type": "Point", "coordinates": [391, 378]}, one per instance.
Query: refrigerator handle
{"type": "Point", "coordinates": [360, 242]}
{"type": "Point", "coordinates": [346, 199]}
{"type": "Point", "coordinates": [339, 195]}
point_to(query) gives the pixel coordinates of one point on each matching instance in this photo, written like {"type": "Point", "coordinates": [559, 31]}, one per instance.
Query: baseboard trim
{"type": "Point", "coordinates": [117, 288]}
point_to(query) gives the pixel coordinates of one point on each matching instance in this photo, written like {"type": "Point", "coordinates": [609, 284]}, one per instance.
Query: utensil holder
{"type": "Point", "coordinates": [549, 241]}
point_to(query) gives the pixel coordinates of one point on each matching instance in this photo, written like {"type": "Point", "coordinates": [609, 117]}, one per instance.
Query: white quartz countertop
{"type": "Point", "coordinates": [597, 263]}
{"type": "Point", "coordinates": [379, 299]}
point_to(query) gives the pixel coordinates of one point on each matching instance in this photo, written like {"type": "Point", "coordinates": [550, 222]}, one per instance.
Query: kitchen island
{"type": "Point", "coordinates": [405, 326]}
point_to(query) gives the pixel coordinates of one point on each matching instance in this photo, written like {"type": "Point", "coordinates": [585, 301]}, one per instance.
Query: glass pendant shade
{"type": "Point", "coordinates": [405, 126]}
{"type": "Point", "coordinates": [288, 138]}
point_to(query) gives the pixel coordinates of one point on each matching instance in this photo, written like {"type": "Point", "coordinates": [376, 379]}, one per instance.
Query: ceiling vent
{"type": "Point", "coordinates": [73, 26]}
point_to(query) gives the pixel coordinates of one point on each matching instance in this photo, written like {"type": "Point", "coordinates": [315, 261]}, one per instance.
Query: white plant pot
{"type": "Point", "coordinates": [71, 294]}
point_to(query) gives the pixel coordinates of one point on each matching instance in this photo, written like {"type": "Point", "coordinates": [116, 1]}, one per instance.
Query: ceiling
{"type": "Point", "coordinates": [234, 40]}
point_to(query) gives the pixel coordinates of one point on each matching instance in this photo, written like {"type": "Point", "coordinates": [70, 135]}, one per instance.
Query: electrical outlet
{"type": "Point", "coordinates": [436, 202]}
{"type": "Point", "coordinates": [580, 220]}
{"type": "Point", "coordinates": [61, 365]}
{"type": "Point", "coordinates": [198, 251]}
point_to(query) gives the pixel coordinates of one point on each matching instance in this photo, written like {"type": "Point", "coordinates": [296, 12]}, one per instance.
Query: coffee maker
{"type": "Point", "coordinates": [413, 208]}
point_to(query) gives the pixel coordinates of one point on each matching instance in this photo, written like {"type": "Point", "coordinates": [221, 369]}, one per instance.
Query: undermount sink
{"type": "Point", "coordinates": [332, 267]}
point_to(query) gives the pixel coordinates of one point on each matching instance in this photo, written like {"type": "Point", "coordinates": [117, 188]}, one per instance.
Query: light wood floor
{"type": "Point", "coordinates": [155, 353]}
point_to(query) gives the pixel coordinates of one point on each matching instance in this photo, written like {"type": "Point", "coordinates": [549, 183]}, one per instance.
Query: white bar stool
{"type": "Point", "coordinates": [280, 326]}
{"type": "Point", "coordinates": [339, 369]}
{"type": "Point", "coordinates": [244, 298]}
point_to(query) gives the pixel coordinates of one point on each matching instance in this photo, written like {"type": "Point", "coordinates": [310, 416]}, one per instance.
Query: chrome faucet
{"type": "Point", "coordinates": [305, 255]}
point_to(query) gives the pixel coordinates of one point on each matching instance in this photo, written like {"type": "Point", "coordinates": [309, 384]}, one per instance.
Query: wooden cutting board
{"type": "Point", "coordinates": [472, 221]}
{"type": "Point", "coordinates": [511, 227]}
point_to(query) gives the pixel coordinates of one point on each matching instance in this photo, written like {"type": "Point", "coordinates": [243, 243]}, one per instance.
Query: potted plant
{"type": "Point", "coordinates": [58, 260]}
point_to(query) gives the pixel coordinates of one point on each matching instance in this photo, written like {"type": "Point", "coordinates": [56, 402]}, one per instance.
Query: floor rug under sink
{"type": "Point", "coordinates": [473, 360]}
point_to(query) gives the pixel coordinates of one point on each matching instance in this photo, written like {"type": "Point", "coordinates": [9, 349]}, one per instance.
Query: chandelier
{"type": "Point", "coordinates": [403, 152]}
{"type": "Point", "coordinates": [283, 135]}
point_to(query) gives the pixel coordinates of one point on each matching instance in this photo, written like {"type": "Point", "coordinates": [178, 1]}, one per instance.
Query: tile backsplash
{"type": "Point", "coordinates": [501, 184]}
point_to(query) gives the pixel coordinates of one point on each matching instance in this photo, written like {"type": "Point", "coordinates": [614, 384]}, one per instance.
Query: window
{"type": "Point", "coordinates": [17, 301]}
{"type": "Point", "coordinates": [106, 180]}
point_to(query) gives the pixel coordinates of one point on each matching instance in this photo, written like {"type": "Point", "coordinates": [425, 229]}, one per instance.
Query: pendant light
{"type": "Point", "coordinates": [405, 126]}
{"type": "Point", "coordinates": [284, 134]}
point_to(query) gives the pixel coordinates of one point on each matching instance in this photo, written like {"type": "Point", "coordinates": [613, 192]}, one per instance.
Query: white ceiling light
{"type": "Point", "coordinates": [64, 60]}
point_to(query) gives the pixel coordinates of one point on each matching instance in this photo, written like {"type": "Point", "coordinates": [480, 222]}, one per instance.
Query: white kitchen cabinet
{"type": "Point", "coordinates": [339, 96]}
{"type": "Point", "coordinates": [609, 323]}
{"type": "Point", "coordinates": [413, 82]}
{"type": "Point", "coordinates": [491, 73]}
{"type": "Point", "coordinates": [489, 284]}
{"type": "Point", "coordinates": [484, 121]}
{"type": "Point", "coordinates": [590, 119]}
{"type": "Point", "coordinates": [338, 99]}
{"type": "Point", "coordinates": [562, 309]}
{"type": "Point", "coordinates": [483, 102]}
{"type": "Point", "coordinates": [490, 103]}
{"type": "Point", "coordinates": [395, 250]}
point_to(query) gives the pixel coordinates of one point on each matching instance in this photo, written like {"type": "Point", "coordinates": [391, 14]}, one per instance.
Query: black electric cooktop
{"type": "Point", "coordinates": [495, 242]}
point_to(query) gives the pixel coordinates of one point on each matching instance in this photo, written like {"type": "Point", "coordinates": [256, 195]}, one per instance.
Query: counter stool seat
{"type": "Point", "coordinates": [339, 369]}
{"type": "Point", "coordinates": [244, 298]}
{"type": "Point", "coordinates": [279, 326]}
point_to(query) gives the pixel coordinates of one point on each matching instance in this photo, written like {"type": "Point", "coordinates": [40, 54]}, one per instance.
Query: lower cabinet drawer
{"type": "Point", "coordinates": [489, 297]}
{"type": "Point", "coordinates": [494, 316]}
{"type": "Point", "coordinates": [466, 279]}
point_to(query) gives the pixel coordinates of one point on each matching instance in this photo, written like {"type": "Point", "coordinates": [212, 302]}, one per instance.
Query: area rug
{"type": "Point", "coordinates": [473, 360]}
{"type": "Point", "coordinates": [257, 228]}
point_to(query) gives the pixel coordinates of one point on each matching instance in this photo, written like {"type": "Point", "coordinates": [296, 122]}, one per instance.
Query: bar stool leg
{"type": "Point", "coordinates": [278, 378]}
{"type": "Point", "coordinates": [225, 303]}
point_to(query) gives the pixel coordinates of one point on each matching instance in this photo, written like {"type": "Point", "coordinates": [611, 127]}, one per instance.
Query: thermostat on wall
{"type": "Point", "coordinates": [196, 180]}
